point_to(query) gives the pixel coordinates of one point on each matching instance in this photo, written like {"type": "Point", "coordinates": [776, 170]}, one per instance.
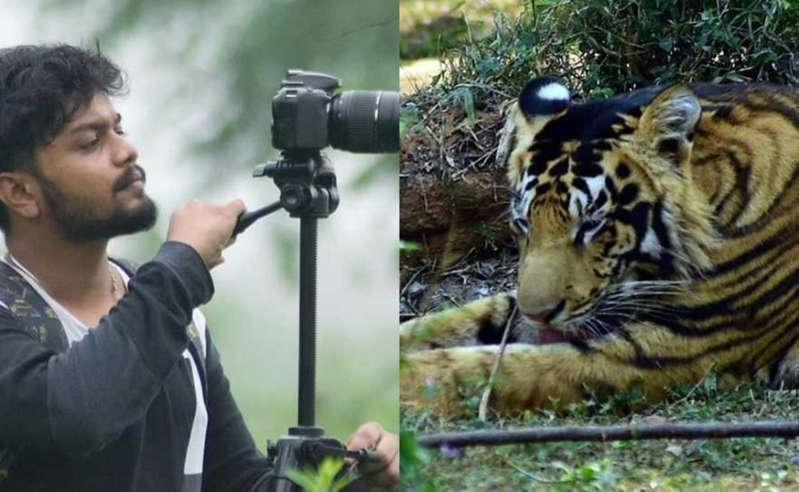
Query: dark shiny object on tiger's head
{"type": "Point", "coordinates": [307, 114]}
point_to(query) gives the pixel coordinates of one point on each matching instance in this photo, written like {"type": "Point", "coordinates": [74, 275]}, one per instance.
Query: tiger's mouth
{"type": "Point", "coordinates": [579, 330]}
{"type": "Point", "coordinates": [626, 302]}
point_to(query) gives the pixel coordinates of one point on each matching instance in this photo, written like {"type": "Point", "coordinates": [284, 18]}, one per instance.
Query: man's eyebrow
{"type": "Point", "coordinates": [96, 125]}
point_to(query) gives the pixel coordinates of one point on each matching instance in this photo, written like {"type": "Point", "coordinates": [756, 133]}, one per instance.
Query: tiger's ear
{"type": "Point", "coordinates": [668, 122]}
{"type": "Point", "coordinates": [544, 96]}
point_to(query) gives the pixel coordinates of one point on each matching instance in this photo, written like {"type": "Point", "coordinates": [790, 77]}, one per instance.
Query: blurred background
{"type": "Point", "coordinates": [201, 75]}
{"type": "Point", "coordinates": [431, 29]}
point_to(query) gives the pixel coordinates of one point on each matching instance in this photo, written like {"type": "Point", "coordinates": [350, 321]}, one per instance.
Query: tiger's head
{"type": "Point", "coordinates": [603, 203]}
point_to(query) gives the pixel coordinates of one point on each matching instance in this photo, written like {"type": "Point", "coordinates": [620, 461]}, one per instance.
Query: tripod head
{"type": "Point", "coordinates": [307, 183]}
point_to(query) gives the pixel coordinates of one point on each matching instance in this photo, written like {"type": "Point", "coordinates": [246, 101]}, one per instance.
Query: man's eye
{"type": "Point", "coordinates": [119, 131]}
{"type": "Point", "coordinates": [90, 144]}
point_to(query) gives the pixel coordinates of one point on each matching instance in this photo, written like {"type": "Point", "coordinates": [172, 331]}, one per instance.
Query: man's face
{"type": "Point", "coordinates": [91, 184]}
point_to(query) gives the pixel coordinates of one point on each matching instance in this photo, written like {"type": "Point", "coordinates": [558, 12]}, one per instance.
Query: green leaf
{"type": "Point", "coordinates": [413, 456]}
{"type": "Point", "coordinates": [666, 43]}
{"type": "Point", "coordinates": [408, 246]}
{"type": "Point", "coordinates": [710, 383]}
{"type": "Point", "coordinates": [464, 96]}
{"type": "Point", "coordinates": [325, 479]}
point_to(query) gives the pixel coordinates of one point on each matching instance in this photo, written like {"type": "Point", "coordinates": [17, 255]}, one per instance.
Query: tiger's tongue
{"type": "Point", "coordinates": [550, 335]}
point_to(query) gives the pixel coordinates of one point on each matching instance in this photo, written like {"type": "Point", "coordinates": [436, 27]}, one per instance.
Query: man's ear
{"type": "Point", "coordinates": [19, 193]}
{"type": "Point", "coordinates": [668, 122]}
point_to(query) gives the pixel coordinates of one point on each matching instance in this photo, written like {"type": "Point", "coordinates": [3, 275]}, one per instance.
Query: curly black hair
{"type": "Point", "coordinates": [41, 88]}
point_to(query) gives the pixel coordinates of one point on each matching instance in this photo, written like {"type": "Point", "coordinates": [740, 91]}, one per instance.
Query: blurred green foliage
{"type": "Point", "coordinates": [431, 28]}
{"type": "Point", "coordinates": [603, 47]}
{"type": "Point", "coordinates": [350, 39]}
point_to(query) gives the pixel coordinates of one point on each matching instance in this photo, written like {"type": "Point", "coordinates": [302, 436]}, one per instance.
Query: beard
{"type": "Point", "coordinates": [77, 216]}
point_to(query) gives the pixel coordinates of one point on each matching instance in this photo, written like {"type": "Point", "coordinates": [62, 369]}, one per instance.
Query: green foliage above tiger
{"type": "Point", "coordinates": [659, 238]}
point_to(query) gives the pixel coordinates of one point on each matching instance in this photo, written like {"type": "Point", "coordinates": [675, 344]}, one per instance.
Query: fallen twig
{"type": "Point", "coordinates": [714, 430]}
{"type": "Point", "coordinates": [483, 411]}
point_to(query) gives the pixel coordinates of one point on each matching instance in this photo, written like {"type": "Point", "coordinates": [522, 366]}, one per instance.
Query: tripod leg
{"type": "Point", "coordinates": [307, 383]}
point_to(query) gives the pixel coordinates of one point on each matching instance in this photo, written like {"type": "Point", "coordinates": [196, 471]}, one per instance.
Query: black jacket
{"type": "Point", "coordinates": [113, 412]}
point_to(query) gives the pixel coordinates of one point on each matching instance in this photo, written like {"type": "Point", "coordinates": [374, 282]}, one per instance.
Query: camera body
{"type": "Point", "coordinates": [300, 110]}
{"type": "Point", "coordinates": [308, 114]}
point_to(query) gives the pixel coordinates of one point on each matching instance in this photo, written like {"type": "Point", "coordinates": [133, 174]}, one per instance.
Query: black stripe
{"type": "Point", "coordinates": [766, 217]}
{"type": "Point", "coordinates": [490, 333]}
{"type": "Point", "coordinates": [560, 168]}
{"type": "Point", "coordinates": [735, 280]}
{"type": "Point", "coordinates": [584, 154]}
{"type": "Point", "coordinates": [788, 323]}
{"type": "Point", "coordinates": [649, 362]}
{"type": "Point", "coordinates": [601, 198]}
{"type": "Point", "coordinates": [722, 112]}
{"type": "Point", "coordinates": [587, 169]}
{"type": "Point", "coordinates": [763, 247]}
{"type": "Point", "coordinates": [745, 312]}
{"type": "Point", "coordinates": [637, 218]}
{"type": "Point", "coordinates": [611, 187]}
{"type": "Point", "coordinates": [628, 194]}
{"type": "Point", "coordinates": [543, 188]}
{"type": "Point", "coordinates": [538, 166]}
{"type": "Point", "coordinates": [581, 185]}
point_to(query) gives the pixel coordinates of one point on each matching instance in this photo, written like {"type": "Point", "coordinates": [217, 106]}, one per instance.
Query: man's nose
{"type": "Point", "coordinates": [125, 152]}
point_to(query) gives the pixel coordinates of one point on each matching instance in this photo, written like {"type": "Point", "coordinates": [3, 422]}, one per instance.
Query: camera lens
{"type": "Point", "coordinates": [365, 121]}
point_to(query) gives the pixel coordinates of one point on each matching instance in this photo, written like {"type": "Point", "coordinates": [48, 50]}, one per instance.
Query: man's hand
{"type": "Point", "coordinates": [205, 227]}
{"type": "Point", "coordinates": [378, 476]}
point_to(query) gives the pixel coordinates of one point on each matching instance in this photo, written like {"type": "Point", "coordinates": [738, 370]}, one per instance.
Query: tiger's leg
{"type": "Point", "coordinates": [533, 376]}
{"type": "Point", "coordinates": [479, 322]}
{"type": "Point", "coordinates": [787, 376]}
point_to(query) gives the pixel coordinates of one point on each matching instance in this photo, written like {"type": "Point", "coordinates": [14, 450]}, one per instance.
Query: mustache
{"type": "Point", "coordinates": [132, 174]}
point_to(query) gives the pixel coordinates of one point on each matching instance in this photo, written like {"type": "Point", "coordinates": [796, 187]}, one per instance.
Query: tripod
{"type": "Point", "coordinates": [307, 184]}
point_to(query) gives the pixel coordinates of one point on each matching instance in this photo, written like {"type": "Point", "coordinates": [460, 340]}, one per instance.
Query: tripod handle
{"type": "Point", "coordinates": [365, 456]}
{"type": "Point", "coordinates": [246, 219]}
{"type": "Point", "coordinates": [362, 456]}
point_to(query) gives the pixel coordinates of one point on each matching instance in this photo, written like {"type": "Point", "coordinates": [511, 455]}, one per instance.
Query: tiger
{"type": "Point", "coordinates": [658, 235]}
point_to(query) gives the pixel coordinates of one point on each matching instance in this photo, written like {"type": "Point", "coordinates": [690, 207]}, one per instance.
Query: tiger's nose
{"type": "Point", "coordinates": [544, 316]}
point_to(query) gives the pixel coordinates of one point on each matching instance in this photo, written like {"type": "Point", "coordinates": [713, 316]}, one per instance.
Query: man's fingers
{"type": "Point", "coordinates": [236, 207]}
{"type": "Point", "coordinates": [366, 436]}
{"type": "Point", "coordinates": [388, 448]}
{"type": "Point", "coordinates": [383, 475]}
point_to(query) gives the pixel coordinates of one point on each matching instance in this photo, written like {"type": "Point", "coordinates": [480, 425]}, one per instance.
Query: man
{"type": "Point", "coordinates": [109, 380]}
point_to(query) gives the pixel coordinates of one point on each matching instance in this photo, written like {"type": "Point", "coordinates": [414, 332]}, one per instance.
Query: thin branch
{"type": "Point", "coordinates": [487, 392]}
{"type": "Point", "coordinates": [714, 430]}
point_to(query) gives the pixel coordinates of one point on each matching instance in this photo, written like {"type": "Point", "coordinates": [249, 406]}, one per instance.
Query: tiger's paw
{"type": "Point", "coordinates": [437, 381]}
{"type": "Point", "coordinates": [787, 376]}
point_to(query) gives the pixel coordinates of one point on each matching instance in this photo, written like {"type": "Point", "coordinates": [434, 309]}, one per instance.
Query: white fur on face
{"type": "Point", "coordinates": [650, 245]}
{"type": "Point", "coordinates": [595, 185]}
{"type": "Point", "coordinates": [553, 92]}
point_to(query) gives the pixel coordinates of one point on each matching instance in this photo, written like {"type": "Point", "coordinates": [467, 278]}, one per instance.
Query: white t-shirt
{"type": "Point", "coordinates": [75, 330]}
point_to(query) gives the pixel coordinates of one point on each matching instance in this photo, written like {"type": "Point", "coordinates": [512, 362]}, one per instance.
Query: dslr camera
{"type": "Point", "coordinates": [308, 114]}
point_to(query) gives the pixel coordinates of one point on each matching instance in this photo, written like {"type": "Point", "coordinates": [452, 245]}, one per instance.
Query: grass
{"type": "Point", "coordinates": [669, 464]}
